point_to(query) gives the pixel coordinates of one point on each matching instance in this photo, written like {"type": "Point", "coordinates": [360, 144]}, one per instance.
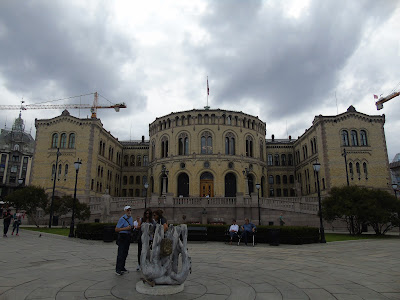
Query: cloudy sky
{"type": "Point", "coordinates": [284, 61]}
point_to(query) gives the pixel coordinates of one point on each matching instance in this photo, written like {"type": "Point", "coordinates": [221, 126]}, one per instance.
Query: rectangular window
{"type": "Point", "coordinates": [145, 160]}
{"type": "Point", "coordinates": [14, 169]}
{"type": "Point", "coordinates": [270, 160]}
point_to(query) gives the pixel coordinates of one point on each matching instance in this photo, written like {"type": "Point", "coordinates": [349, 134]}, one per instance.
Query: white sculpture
{"type": "Point", "coordinates": [164, 270]}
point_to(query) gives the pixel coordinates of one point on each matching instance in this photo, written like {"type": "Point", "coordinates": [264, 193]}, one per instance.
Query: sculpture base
{"type": "Point", "coordinates": [158, 290]}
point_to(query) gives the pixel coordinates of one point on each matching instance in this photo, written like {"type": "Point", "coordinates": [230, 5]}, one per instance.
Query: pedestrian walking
{"type": "Point", "coordinates": [6, 221]}
{"type": "Point", "coordinates": [17, 221]}
{"type": "Point", "coordinates": [281, 221]}
{"type": "Point", "coordinates": [124, 228]}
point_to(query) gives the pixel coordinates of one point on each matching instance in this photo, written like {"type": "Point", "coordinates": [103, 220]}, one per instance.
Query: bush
{"type": "Point", "coordinates": [293, 235]}
{"type": "Point", "coordinates": [92, 231]}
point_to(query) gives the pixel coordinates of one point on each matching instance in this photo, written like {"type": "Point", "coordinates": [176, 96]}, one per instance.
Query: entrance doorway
{"type": "Point", "coordinates": [206, 185]}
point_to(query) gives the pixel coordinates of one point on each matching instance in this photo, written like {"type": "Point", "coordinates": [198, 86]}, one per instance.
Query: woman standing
{"type": "Point", "coordinates": [147, 218]}
{"type": "Point", "coordinates": [159, 219]}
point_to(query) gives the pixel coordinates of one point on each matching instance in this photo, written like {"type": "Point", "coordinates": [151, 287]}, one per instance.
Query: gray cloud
{"type": "Point", "coordinates": [286, 65]}
{"type": "Point", "coordinates": [64, 50]}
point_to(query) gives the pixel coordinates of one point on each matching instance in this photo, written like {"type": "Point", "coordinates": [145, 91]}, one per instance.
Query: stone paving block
{"type": "Point", "coordinates": [268, 296]}
{"type": "Point", "coordinates": [263, 287]}
{"type": "Point", "coordinates": [94, 293]}
{"type": "Point", "coordinates": [392, 296]}
{"type": "Point", "coordinates": [318, 294]}
{"type": "Point", "coordinates": [218, 289]}
{"type": "Point", "coordinates": [347, 297]}
{"type": "Point", "coordinates": [70, 296]}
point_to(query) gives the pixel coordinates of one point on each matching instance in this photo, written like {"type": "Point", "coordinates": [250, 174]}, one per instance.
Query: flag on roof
{"type": "Point", "coordinates": [208, 89]}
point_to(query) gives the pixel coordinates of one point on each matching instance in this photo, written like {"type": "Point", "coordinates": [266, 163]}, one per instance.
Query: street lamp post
{"type": "Point", "coordinates": [77, 165]}
{"type": "Point", "coordinates": [258, 201]}
{"type": "Point", "coordinates": [246, 176]}
{"type": "Point", "coordinates": [317, 167]}
{"type": "Point", "coordinates": [146, 186]}
{"type": "Point", "coordinates": [345, 161]}
{"type": "Point", "coordinates": [54, 188]}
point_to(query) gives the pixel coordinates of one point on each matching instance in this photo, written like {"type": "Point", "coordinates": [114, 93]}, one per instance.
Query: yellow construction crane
{"type": "Point", "coordinates": [381, 100]}
{"type": "Point", "coordinates": [93, 107]}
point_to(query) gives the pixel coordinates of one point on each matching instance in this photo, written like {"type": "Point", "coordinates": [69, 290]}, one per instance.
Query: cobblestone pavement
{"type": "Point", "coordinates": [55, 267]}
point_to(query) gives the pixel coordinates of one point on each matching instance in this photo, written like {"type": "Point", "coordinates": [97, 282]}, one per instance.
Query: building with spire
{"type": "Point", "coordinates": [16, 151]}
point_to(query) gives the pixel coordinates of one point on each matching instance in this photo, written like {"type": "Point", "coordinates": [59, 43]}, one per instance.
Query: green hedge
{"type": "Point", "coordinates": [92, 231]}
{"type": "Point", "coordinates": [294, 235]}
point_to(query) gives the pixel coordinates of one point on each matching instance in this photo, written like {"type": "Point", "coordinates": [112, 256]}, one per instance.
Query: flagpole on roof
{"type": "Point", "coordinates": [208, 93]}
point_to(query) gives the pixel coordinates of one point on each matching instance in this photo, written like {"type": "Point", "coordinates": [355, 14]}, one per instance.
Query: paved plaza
{"type": "Point", "coordinates": [55, 267]}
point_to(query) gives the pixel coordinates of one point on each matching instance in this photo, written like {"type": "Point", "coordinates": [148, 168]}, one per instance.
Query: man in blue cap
{"type": "Point", "coordinates": [124, 227]}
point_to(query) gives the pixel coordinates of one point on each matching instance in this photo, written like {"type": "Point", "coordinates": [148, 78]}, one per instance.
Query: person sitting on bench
{"type": "Point", "coordinates": [233, 230]}
{"type": "Point", "coordinates": [248, 230]}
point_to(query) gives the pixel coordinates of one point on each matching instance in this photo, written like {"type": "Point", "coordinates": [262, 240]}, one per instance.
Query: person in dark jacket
{"type": "Point", "coordinates": [6, 221]}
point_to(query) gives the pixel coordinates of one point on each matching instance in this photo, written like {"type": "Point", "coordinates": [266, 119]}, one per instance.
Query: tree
{"type": "Point", "coordinates": [357, 206]}
{"type": "Point", "coordinates": [383, 212]}
{"type": "Point", "coordinates": [30, 199]}
{"type": "Point", "coordinates": [63, 205]}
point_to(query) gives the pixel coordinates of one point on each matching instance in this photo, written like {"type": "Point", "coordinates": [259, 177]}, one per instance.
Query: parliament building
{"type": "Point", "coordinates": [209, 153]}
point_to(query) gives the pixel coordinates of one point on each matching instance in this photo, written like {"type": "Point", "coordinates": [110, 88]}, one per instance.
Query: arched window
{"type": "Point", "coordinates": [126, 160]}
{"type": "Point", "coordinates": [290, 160]}
{"type": "Point", "coordinates": [132, 160]}
{"type": "Point", "coordinates": [363, 138]}
{"type": "Point", "coordinates": [54, 141]}
{"type": "Point", "coordinates": [71, 142]}
{"type": "Point", "coordinates": [283, 159]}
{"type": "Point", "coordinates": [351, 169]}
{"type": "Point", "coordinates": [183, 144]}
{"type": "Point", "coordinates": [261, 150]}
{"type": "Point", "coordinates": [125, 180]}
{"type": "Point", "coordinates": [139, 161]}
{"type": "Point", "coordinates": [271, 179]}
{"type": "Point", "coordinates": [206, 143]}
{"type": "Point", "coordinates": [164, 147]}
{"type": "Point", "coordinates": [276, 159]}
{"type": "Point", "coordinates": [315, 145]}
{"type": "Point", "coordinates": [345, 138]}
{"type": "Point", "coordinates": [53, 171]}
{"type": "Point", "coordinates": [131, 180]}
{"type": "Point", "coordinates": [312, 147]}
{"type": "Point", "coordinates": [270, 160]}
{"type": "Point", "coordinates": [284, 179]}
{"type": "Point", "coordinates": [358, 170]}
{"type": "Point", "coordinates": [249, 146]}
{"type": "Point", "coordinates": [63, 140]}
{"type": "Point", "coordinates": [66, 170]}
{"type": "Point", "coordinates": [153, 151]}
{"type": "Point", "coordinates": [230, 144]}
{"type": "Point", "coordinates": [183, 185]}
{"type": "Point", "coordinates": [354, 139]}
{"type": "Point", "coordinates": [365, 170]}
{"type": "Point", "coordinates": [230, 185]}
{"type": "Point", "coordinates": [291, 179]}
{"type": "Point", "coordinates": [137, 179]}
{"type": "Point", "coordinates": [278, 179]}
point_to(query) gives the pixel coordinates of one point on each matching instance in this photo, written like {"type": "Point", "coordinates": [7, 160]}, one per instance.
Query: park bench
{"type": "Point", "coordinates": [197, 233]}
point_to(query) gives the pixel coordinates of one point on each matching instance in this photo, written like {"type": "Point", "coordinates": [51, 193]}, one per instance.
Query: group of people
{"type": "Point", "coordinates": [248, 230]}
{"type": "Point", "coordinates": [7, 218]}
{"type": "Point", "coordinates": [126, 227]}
